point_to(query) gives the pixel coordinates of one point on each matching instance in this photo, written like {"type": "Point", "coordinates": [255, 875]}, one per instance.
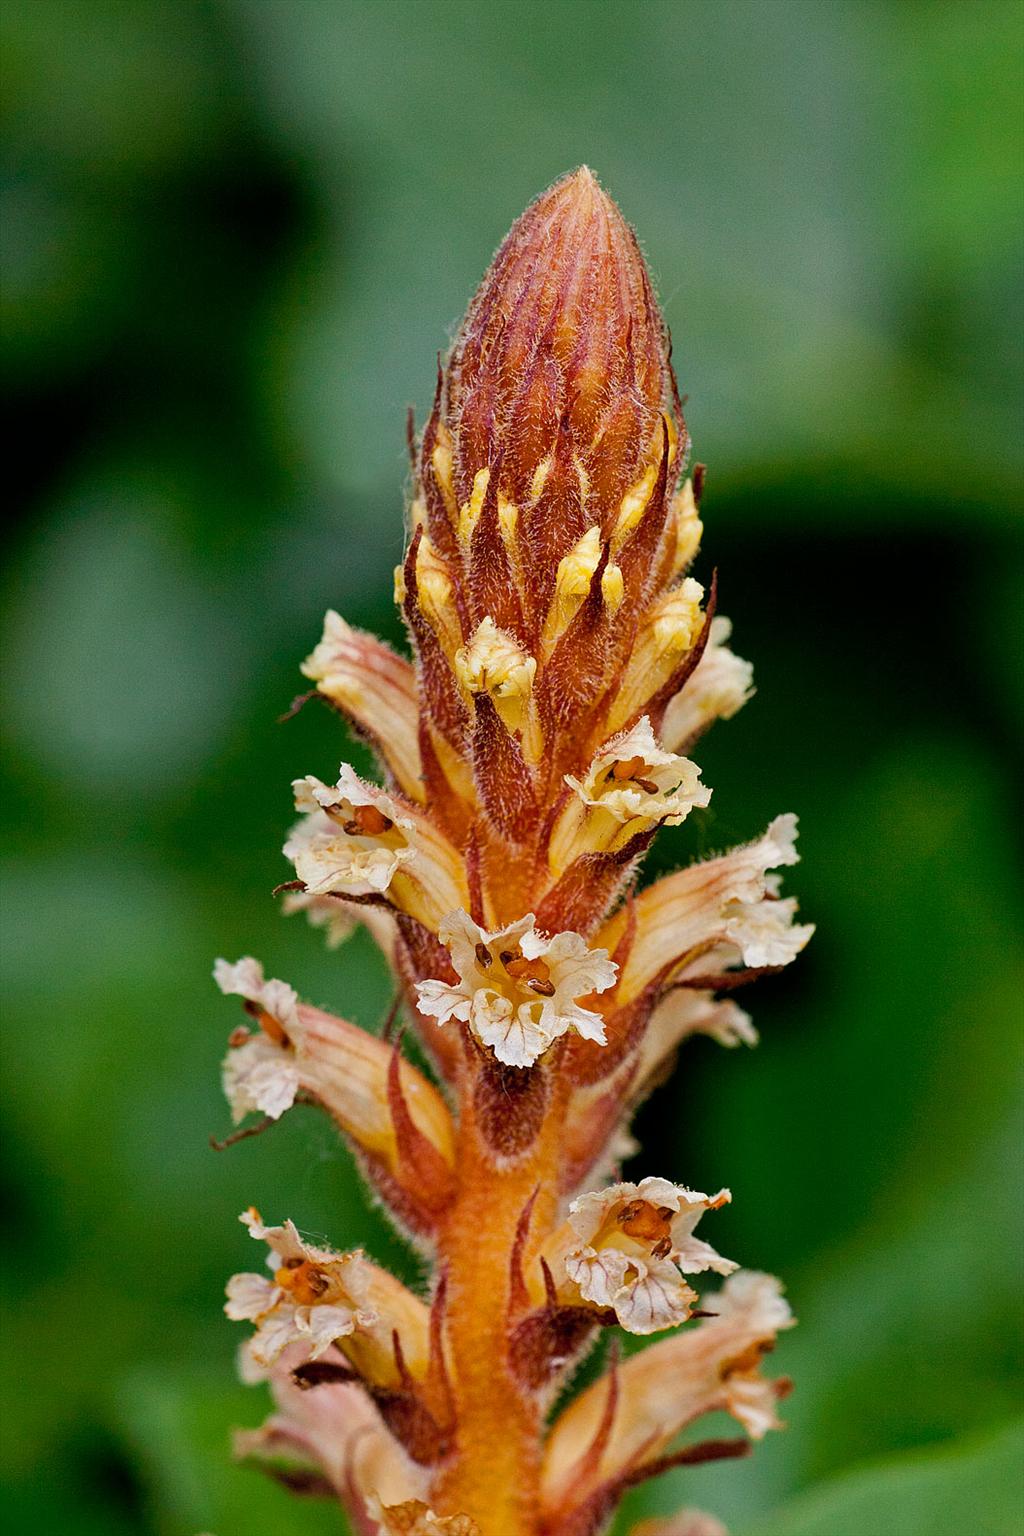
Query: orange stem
{"type": "Point", "coordinates": [493, 1474]}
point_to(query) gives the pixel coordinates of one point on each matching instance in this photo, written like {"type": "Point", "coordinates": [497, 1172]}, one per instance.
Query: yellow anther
{"type": "Point", "coordinates": [469, 513]}
{"type": "Point", "coordinates": [441, 462]}
{"type": "Point", "coordinates": [434, 590]}
{"type": "Point", "coordinates": [633, 506]}
{"type": "Point", "coordinates": [572, 584]}
{"type": "Point", "coordinates": [613, 588]}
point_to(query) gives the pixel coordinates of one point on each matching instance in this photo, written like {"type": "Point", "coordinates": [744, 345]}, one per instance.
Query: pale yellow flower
{"type": "Point", "coordinates": [631, 1245]}
{"type": "Point", "coordinates": [632, 784]}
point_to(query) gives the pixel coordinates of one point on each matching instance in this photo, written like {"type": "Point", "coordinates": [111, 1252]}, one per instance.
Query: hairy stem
{"type": "Point", "coordinates": [493, 1474]}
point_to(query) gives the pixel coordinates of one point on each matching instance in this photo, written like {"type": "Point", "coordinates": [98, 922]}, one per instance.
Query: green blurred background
{"type": "Point", "coordinates": [235, 233]}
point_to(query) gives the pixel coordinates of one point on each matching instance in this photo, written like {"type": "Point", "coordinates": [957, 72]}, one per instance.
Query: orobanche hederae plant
{"type": "Point", "coordinates": [565, 665]}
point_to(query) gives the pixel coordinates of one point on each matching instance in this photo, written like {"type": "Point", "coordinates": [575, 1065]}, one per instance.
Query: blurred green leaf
{"type": "Point", "coordinates": [179, 1427]}
{"type": "Point", "coordinates": [974, 1486]}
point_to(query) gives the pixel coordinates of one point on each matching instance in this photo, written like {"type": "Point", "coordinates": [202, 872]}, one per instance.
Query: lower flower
{"type": "Point", "coordinates": [628, 1247]}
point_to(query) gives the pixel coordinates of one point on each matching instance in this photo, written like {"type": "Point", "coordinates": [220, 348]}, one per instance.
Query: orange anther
{"type": "Point", "coordinates": [528, 971]}
{"type": "Point", "coordinates": [628, 768]}
{"type": "Point", "coordinates": [271, 1027]}
{"type": "Point", "coordinates": [650, 1223]}
{"type": "Point", "coordinates": [303, 1280]}
{"type": "Point", "coordinates": [367, 821]}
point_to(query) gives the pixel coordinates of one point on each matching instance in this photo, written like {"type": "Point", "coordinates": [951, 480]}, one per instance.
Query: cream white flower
{"type": "Point", "coordinates": [353, 840]}
{"type": "Point", "coordinates": [632, 777]}
{"type": "Point", "coordinates": [764, 931]}
{"type": "Point", "coordinates": [259, 1075]}
{"type": "Point", "coordinates": [713, 916]}
{"type": "Point", "coordinates": [273, 999]}
{"type": "Point", "coordinates": [338, 919]}
{"type": "Point", "coordinates": [518, 990]}
{"type": "Point", "coordinates": [630, 786]}
{"type": "Point", "coordinates": [710, 1368]}
{"type": "Point", "coordinates": [721, 684]}
{"type": "Point", "coordinates": [307, 1300]}
{"type": "Point", "coordinates": [335, 1062]}
{"type": "Point", "coordinates": [633, 1245]}
{"type": "Point", "coordinates": [259, 1072]}
{"type": "Point", "coordinates": [357, 840]}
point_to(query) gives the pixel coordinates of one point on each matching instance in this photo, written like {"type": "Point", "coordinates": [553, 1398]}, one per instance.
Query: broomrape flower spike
{"type": "Point", "coordinates": [564, 665]}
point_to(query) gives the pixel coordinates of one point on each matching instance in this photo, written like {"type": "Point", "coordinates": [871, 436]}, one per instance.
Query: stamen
{"type": "Point", "coordinates": [632, 769]}
{"type": "Point", "coordinates": [271, 1027]}
{"type": "Point", "coordinates": [303, 1280]}
{"type": "Point", "coordinates": [367, 821]}
{"type": "Point", "coordinates": [651, 1224]}
{"type": "Point", "coordinates": [529, 972]}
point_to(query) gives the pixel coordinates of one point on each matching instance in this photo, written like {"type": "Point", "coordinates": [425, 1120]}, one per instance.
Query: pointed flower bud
{"type": "Point", "coordinates": [559, 377]}
{"type": "Point", "coordinates": [545, 504]}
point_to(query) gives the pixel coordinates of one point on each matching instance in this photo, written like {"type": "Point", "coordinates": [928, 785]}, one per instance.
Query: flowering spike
{"type": "Point", "coordinates": [564, 664]}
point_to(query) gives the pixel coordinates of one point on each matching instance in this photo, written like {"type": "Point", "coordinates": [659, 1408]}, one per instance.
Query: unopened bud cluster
{"type": "Point", "coordinates": [564, 664]}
